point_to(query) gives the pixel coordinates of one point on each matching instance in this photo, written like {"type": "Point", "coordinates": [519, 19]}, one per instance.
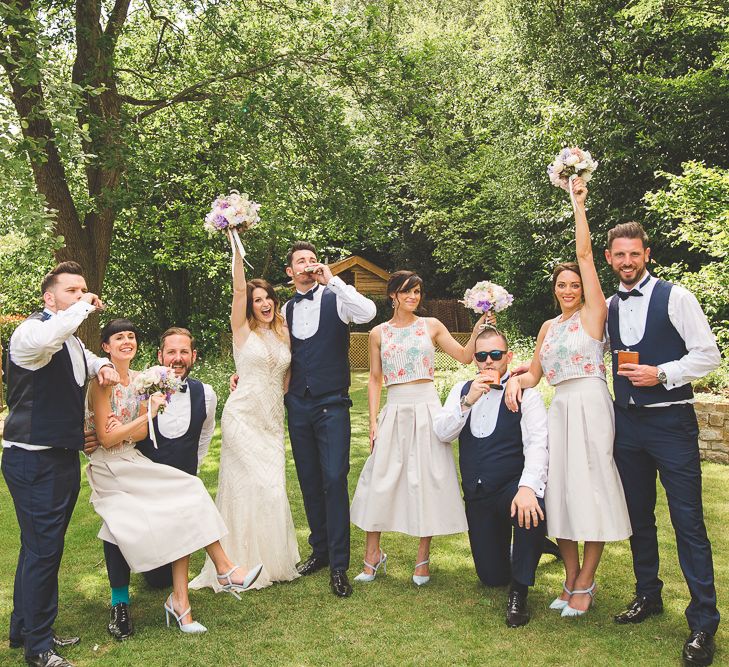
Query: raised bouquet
{"type": "Point", "coordinates": [485, 296]}
{"type": "Point", "coordinates": [151, 381]}
{"type": "Point", "coordinates": [230, 215]}
{"type": "Point", "coordinates": [571, 162]}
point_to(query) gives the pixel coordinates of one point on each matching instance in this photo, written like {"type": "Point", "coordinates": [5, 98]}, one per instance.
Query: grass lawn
{"type": "Point", "coordinates": [453, 620]}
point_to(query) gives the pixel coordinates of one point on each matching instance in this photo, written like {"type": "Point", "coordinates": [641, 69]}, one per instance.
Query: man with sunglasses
{"type": "Point", "coordinates": [503, 458]}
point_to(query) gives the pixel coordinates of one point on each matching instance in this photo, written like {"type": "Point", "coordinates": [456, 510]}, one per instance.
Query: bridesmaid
{"type": "Point", "coordinates": [153, 514]}
{"type": "Point", "coordinates": [409, 482]}
{"type": "Point", "coordinates": [584, 498]}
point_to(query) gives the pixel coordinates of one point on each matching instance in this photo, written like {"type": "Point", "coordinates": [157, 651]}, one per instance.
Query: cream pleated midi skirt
{"type": "Point", "coordinates": [584, 499]}
{"type": "Point", "coordinates": [409, 483]}
{"type": "Point", "coordinates": [153, 512]}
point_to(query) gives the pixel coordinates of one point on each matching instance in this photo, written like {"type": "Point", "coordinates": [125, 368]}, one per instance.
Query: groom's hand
{"type": "Point", "coordinates": [639, 375]}
{"type": "Point", "coordinates": [526, 507]}
{"type": "Point", "coordinates": [233, 382]}
{"type": "Point", "coordinates": [94, 300]}
{"type": "Point", "coordinates": [321, 273]}
{"type": "Point", "coordinates": [91, 443]}
{"type": "Point", "coordinates": [107, 376]}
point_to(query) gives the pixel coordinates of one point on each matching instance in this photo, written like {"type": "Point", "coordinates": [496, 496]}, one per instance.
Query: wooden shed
{"type": "Point", "coordinates": [368, 278]}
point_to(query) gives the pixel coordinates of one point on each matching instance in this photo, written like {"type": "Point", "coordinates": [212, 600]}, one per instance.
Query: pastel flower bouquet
{"type": "Point", "coordinates": [151, 381]}
{"type": "Point", "coordinates": [231, 214]}
{"type": "Point", "coordinates": [485, 296]}
{"type": "Point", "coordinates": [571, 162]}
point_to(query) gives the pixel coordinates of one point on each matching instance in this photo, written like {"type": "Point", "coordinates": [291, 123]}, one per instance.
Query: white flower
{"type": "Point", "coordinates": [557, 167]}
{"type": "Point", "coordinates": [572, 160]}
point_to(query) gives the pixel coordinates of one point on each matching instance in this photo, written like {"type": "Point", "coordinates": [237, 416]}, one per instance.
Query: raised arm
{"type": "Point", "coordinates": [594, 312]}
{"type": "Point", "coordinates": [443, 339]}
{"type": "Point", "coordinates": [238, 320]}
{"type": "Point", "coordinates": [374, 385]}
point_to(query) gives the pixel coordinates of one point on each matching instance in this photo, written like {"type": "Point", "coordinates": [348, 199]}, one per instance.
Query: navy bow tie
{"type": "Point", "coordinates": [183, 388]}
{"type": "Point", "coordinates": [309, 295]}
{"type": "Point", "coordinates": [626, 295]}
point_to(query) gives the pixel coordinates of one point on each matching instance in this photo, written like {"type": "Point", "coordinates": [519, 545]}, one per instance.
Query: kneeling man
{"type": "Point", "coordinates": [504, 458]}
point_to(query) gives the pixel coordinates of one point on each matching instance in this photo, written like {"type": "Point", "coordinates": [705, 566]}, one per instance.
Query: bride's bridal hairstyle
{"type": "Point", "coordinates": [277, 325]}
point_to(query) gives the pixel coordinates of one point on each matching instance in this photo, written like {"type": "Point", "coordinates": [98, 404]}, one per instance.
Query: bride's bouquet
{"type": "Point", "coordinates": [151, 381]}
{"type": "Point", "coordinates": [571, 162]}
{"type": "Point", "coordinates": [485, 296]}
{"type": "Point", "coordinates": [230, 215]}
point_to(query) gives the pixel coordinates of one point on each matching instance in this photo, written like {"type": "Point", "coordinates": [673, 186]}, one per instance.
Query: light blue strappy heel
{"type": "Point", "coordinates": [419, 579]}
{"type": "Point", "coordinates": [571, 611]}
{"type": "Point", "coordinates": [558, 604]}
{"type": "Point", "coordinates": [363, 576]}
{"type": "Point", "coordinates": [193, 628]}
{"type": "Point", "coordinates": [231, 587]}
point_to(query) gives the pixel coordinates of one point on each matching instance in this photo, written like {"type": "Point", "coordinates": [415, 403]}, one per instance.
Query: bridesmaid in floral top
{"type": "Point", "coordinates": [409, 483]}
{"type": "Point", "coordinates": [584, 499]}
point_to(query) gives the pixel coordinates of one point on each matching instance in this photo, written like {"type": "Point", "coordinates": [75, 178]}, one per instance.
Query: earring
{"type": "Point", "coordinates": [393, 303]}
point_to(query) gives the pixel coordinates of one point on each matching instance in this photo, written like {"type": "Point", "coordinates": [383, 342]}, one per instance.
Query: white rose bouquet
{"type": "Point", "coordinates": [230, 215]}
{"type": "Point", "coordinates": [571, 162]}
{"type": "Point", "coordinates": [151, 381]}
{"type": "Point", "coordinates": [485, 296]}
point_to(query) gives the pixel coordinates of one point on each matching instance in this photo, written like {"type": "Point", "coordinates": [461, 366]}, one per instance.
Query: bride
{"type": "Point", "coordinates": [252, 480]}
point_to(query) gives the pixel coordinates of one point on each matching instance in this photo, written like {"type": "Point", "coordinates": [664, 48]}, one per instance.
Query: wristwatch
{"type": "Point", "coordinates": [661, 375]}
{"type": "Point", "coordinates": [465, 403]}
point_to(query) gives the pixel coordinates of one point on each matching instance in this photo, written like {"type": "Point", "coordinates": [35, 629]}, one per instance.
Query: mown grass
{"type": "Point", "coordinates": [452, 621]}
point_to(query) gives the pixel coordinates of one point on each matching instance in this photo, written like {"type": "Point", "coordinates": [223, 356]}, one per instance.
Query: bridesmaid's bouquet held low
{"type": "Point", "coordinates": [571, 162]}
{"type": "Point", "coordinates": [485, 296]}
{"type": "Point", "coordinates": [152, 380]}
{"type": "Point", "coordinates": [230, 215]}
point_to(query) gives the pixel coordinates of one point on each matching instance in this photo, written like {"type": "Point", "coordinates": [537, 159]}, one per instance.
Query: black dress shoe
{"type": "Point", "coordinates": [340, 584]}
{"type": "Point", "coordinates": [516, 610]}
{"type": "Point", "coordinates": [640, 609]}
{"type": "Point", "coordinates": [48, 659]}
{"type": "Point", "coordinates": [59, 642]}
{"type": "Point", "coordinates": [699, 649]}
{"type": "Point", "coordinates": [312, 564]}
{"type": "Point", "coordinates": [120, 623]}
{"type": "Point", "coordinates": [551, 549]}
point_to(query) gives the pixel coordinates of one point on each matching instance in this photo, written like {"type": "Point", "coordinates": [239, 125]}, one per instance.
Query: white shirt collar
{"type": "Point", "coordinates": [643, 282]}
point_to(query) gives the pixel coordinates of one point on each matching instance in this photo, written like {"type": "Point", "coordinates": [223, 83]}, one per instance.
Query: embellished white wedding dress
{"type": "Point", "coordinates": [252, 478]}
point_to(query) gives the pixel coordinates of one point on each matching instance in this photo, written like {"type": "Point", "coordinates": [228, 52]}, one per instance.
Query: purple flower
{"type": "Point", "coordinates": [223, 204]}
{"type": "Point", "coordinates": [484, 305]}
{"type": "Point", "coordinates": [219, 221]}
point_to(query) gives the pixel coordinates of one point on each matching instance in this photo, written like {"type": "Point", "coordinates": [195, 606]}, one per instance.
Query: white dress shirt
{"type": "Point", "coordinates": [451, 419]}
{"type": "Point", "coordinates": [687, 317]}
{"type": "Point", "coordinates": [175, 420]}
{"type": "Point", "coordinates": [34, 343]}
{"type": "Point", "coordinates": [351, 307]}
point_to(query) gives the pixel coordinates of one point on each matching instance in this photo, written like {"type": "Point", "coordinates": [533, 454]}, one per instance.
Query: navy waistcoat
{"type": "Point", "coordinates": [180, 453]}
{"type": "Point", "coordinates": [495, 460]}
{"type": "Point", "coordinates": [660, 343]}
{"type": "Point", "coordinates": [320, 364]}
{"type": "Point", "coordinates": [46, 406]}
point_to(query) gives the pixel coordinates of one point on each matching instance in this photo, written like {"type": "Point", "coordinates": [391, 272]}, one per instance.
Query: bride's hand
{"type": "Point", "coordinates": [234, 382]}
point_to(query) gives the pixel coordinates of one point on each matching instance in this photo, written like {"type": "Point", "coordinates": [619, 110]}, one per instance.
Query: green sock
{"type": "Point", "coordinates": [120, 594]}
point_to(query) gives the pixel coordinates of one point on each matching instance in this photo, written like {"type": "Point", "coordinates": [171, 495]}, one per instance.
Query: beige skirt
{"type": "Point", "coordinates": [584, 499]}
{"type": "Point", "coordinates": [409, 483]}
{"type": "Point", "coordinates": [154, 513]}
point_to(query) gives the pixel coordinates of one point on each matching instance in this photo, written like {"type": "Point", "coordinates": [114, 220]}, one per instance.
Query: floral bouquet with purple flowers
{"type": "Point", "coordinates": [485, 296]}
{"type": "Point", "coordinates": [571, 162]}
{"type": "Point", "coordinates": [230, 215]}
{"type": "Point", "coordinates": [152, 380]}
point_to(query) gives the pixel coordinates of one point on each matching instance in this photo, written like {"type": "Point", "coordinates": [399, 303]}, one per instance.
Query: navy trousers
{"type": "Point", "coordinates": [119, 573]}
{"type": "Point", "coordinates": [665, 441]}
{"type": "Point", "coordinates": [489, 532]}
{"type": "Point", "coordinates": [44, 486]}
{"type": "Point", "coordinates": [319, 429]}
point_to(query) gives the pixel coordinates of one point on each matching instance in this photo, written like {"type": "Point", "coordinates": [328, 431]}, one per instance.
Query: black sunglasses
{"type": "Point", "coordinates": [494, 354]}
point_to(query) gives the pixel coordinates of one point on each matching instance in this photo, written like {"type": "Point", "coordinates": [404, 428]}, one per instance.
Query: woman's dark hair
{"type": "Point", "coordinates": [117, 326]}
{"type": "Point", "coordinates": [277, 324]}
{"type": "Point", "coordinates": [559, 269]}
{"type": "Point", "coordinates": [404, 281]}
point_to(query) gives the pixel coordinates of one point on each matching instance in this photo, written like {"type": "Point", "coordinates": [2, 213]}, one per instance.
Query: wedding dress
{"type": "Point", "coordinates": [252, 478]}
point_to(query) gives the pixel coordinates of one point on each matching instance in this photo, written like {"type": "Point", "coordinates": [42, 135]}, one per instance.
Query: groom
{"type": "Point", "coordinates": [318, 404]}
{"type": "Point", "coordinates": [48, 368]}
{"type": "Point", "coordinates": [656, 430]}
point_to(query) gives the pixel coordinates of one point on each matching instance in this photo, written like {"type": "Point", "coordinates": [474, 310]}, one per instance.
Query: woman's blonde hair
{"type": "Point", "coordinates": [277, 325]}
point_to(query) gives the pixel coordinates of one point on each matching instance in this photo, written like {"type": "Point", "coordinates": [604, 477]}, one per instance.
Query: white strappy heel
{"type": "Point", "coordinates": [363, 576]}
{"type": "Point", "coordinates": [233, 588]}
{"type": "Point", "coordinates": [571, 611]}
{"type": "Point", "coordinates": [558, 604]}
{"type": "Point", "coordinates": [192, 628]}
{"type": "Point", "coordinates": [419, 579]}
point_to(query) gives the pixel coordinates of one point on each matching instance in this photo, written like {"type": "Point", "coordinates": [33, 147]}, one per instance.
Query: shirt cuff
{"type": "Point", "coordinates": [674, 376]}
{"type": "Point", "coordinates": [336, 284]}
{"type": "Point", "coordinates": [534, 483]}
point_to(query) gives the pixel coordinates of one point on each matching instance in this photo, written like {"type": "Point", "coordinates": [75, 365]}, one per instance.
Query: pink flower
{"type": "Point", "coordinates": [602, 368]}
{"type": "Point", "coordinates": [426, 362]}
{"type": "Point", "coordinates": [431, 372]}
{"type": "Point", "coordinates": [550, 375]}
{"type": "Point", "coordinates": [401, 372]}
{"type": "Point", "coordinates": [391, 377]}
{"type": "Point", "coordinates": [576, 358]}
{"type": "Point", "coordinates": [589, 368]}
{"type": "Point", "coordinates": [573, 327]}
{"type": "Point", "coordinates": [419, 332]}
